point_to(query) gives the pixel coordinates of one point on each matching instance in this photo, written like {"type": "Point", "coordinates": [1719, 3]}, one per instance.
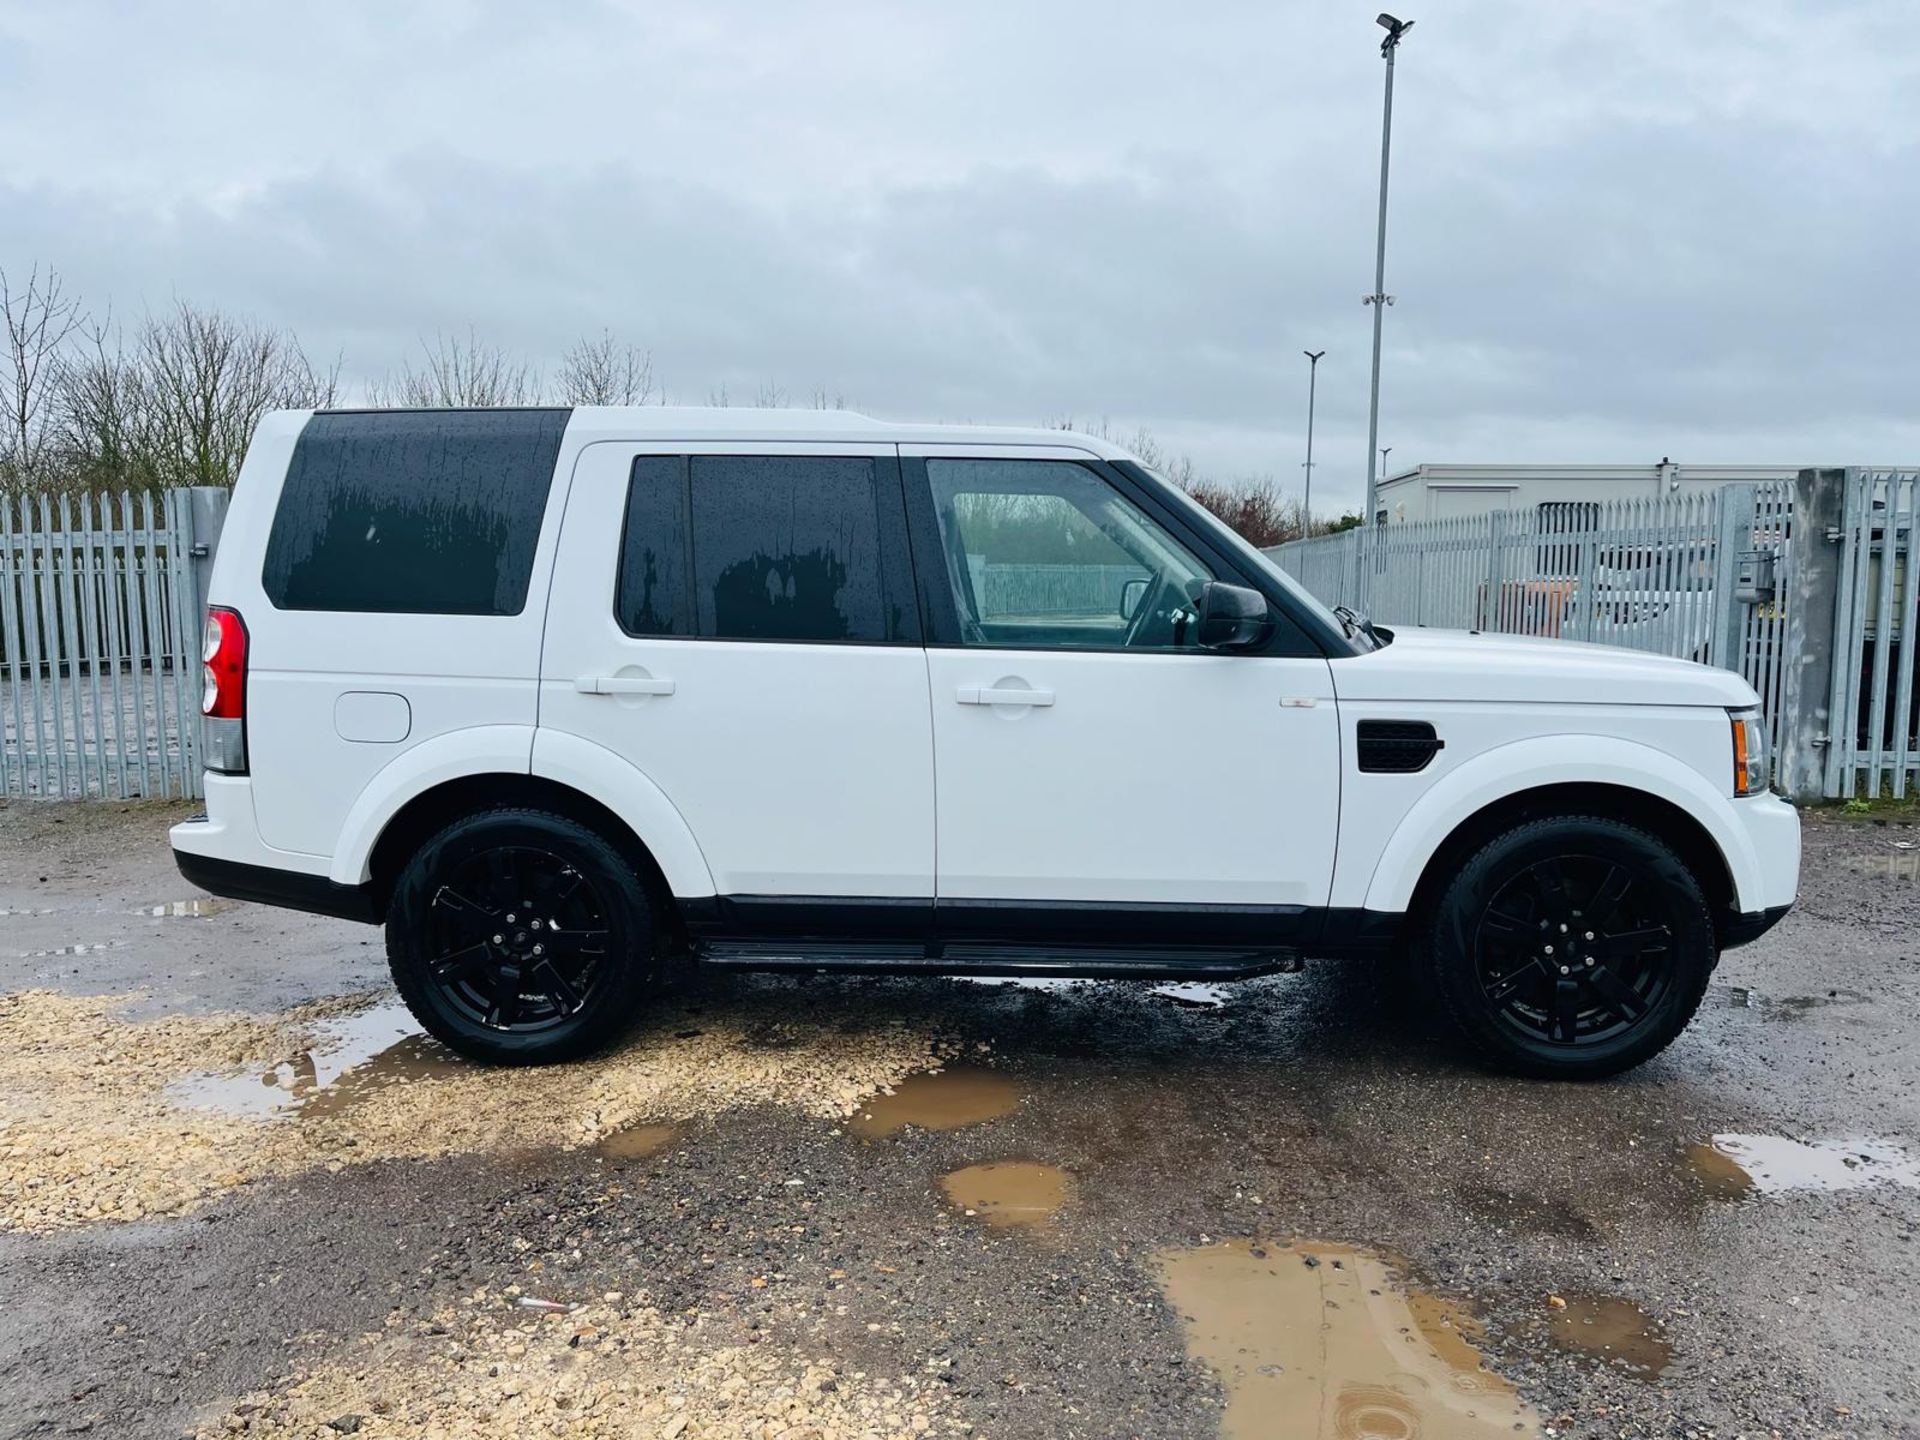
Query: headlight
{"type": "Point", "coordinates": [1752, 765]}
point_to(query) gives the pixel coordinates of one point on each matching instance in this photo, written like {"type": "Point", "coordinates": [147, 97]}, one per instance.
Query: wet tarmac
{"type": "Point", "coordinates": [1282, 1208]}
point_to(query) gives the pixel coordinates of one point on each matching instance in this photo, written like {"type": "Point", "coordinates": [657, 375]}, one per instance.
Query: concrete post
{"type": "Point", "coordinates": [1807, 725]}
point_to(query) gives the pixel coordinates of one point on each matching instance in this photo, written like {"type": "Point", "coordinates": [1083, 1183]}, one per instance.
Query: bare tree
{"type": "Point", "coordinates": [206, 378]}
{"type": "Point", "coordinates": [180, 406]}
{"type": "Point", "coordinates": [101, 413]}
{"type": "Point", "coordinates": [38, 320]}
{"type": "Point", "coordinates": [599, 370]}
{"type": "Point", "coordinates": [469, 373]}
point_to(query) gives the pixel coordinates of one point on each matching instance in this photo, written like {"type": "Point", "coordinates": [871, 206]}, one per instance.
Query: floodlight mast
{"type": "Point", "coordinates": [1379, 299]}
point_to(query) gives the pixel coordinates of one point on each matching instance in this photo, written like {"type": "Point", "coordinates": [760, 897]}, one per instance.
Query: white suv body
{"type": "Point", "coordinates": [845, 694]}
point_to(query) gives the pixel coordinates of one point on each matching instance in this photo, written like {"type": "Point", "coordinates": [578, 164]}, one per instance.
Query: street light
{"type": "Point", "coordinates": [1385, 450]}
{"type": "Point", "coordinates": [1379, 299]}
{"type": "Point", "coordinates": [1306, 504]}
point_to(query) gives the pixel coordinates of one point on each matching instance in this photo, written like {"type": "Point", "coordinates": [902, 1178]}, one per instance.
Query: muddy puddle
{"type": "Point", "coordinates": [1323, 1342]}
{"type": "Point", "coordinates": [352, 1056]}
{"type": "Point", "coordinates": [1735, 1167]}
{"type": "Point", "coordinates": [945, 1100]}
{"type": "Point", "coordinates": [1610, 1328]}
{"type": "Point", "coordinates": [1009, 1193]}
{"type": "Point", "coordinates": [638, 1141]}
{"type": "Point", "coordinates": [200, 908]}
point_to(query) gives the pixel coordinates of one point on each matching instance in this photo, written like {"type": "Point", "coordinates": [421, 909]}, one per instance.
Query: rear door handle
{"type": "Point", "coordinates": [622, 685]}
{"type": "Point", "coordinates": [994, 695]}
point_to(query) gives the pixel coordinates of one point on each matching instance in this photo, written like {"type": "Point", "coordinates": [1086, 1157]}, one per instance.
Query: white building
{"type": "Point", "coordinates": [1441, 492]}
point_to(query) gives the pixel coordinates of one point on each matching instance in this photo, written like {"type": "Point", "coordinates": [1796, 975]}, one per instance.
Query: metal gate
{"type": "Point", "coordinates": [99, 642]}
{"type": "Point", "coordinates": [1873, 727]}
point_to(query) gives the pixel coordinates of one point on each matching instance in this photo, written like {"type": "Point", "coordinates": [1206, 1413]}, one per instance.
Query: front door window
{"type": "Point", "coordinates": [1047, 554]}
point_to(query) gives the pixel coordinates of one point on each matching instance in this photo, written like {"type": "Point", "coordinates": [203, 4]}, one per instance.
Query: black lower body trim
{"type": "Point", "coordinates": [1740, 928]}
{"type": "Point", "coordinates": [289, 889]}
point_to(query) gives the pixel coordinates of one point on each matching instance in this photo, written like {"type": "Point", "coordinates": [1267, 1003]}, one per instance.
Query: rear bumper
{"type": "Point", "coordinates": [289, 889]}
{"type": "Point", "coordinates": [222, 852]}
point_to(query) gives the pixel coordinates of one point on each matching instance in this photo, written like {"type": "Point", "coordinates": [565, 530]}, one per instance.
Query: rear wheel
{"type": "Point", "coordinates": [1571, 948]}
{"type": "Point", "coordinates": [519, 937]}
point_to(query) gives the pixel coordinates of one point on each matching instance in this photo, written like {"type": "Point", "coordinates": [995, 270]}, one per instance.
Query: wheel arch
{"type": "Point", "coordinates": [1666, 821]}
{"type": "Point", "coordinates": [1567, 774]}
{"type": "Point", "coordinates": [433, 809]}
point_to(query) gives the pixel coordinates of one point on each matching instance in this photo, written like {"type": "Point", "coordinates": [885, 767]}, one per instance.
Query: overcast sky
{"type": "Point", "coordinates": [1619, 230]}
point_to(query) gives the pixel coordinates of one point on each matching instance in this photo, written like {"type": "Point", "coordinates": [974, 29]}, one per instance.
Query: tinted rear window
{"type": "Point", "coordinates": [762, 547]}
{"type": "Point", "coordinates": [413, 512]}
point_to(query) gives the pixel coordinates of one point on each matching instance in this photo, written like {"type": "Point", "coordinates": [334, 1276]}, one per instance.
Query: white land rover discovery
{"type": "Point", "coordinates": [555, 694]}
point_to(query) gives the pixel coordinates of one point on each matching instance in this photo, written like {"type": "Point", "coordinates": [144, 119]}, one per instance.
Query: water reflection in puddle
{"type": "Point", "coordinates": [196, 909]}
{"type": "Point", "coordinates": [352, 1056]}
{"type": "Point", "coordinates": [1194, 995]}
{"type": "Point", "coordinates": [1790, 1007]}
{"type": "Point", "coordinates": [1325, 1336]}
{"type": "Point", "coordinates": [1611, 1328]}
{"type": "Point", "coordinates": [1007, 1193]}
{"type": "Point", "coordinates": [1732, 1167]}
{"type": "Point", "coordinates": [82, 949]}
{"type": "Point", "coordinates": [637, 1142]}
{"type": "Point", "coordinates": [945, 1100]}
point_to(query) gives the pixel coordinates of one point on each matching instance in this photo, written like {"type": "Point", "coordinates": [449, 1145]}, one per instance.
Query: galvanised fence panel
{"type": "Point", "coordinates": [99, 647]}
{"type": "Point", "coordinates": [1655, 573]}
{"type": "Point", "coordinates": [1873, 727]}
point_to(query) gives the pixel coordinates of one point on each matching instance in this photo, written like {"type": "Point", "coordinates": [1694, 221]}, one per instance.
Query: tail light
{"type": "Point", "coordinates": [223, 698]}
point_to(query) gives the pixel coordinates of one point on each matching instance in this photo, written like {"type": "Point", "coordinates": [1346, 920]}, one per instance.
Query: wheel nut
{"type": "Point", "coordinates": [510, 920]}
{"type": "Point", "coordinates": [1549, 949]}
{"type": "Point", "coordinates": [499, 939]}
{"type": "Point", "coordinates": [1563, 929]}
{"type": "Point", "coordinates": [1589, 934]}
{"type": "Point", "coordinates": [1565, 970]}
{"type": "Point", "coordinates": [1589, 960]}
{"type": "Point", "coordinates": [540, 949]}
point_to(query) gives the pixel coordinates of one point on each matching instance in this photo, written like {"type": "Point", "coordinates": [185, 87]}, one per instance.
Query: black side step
{"type": "Point", "coordinates": [958, 958]}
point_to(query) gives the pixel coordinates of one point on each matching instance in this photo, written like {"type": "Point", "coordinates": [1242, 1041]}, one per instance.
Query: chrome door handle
{"type": "Point", "coordinates": [622, 685]}
{"type": "Point", "coordinates": [992, 695]}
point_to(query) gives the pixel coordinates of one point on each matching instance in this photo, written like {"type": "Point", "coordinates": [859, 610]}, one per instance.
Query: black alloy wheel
{"type": "Point", "coordinates": [1572, 947]}
{"type": "Point", "coordinates": [520, 937]}
{"type": "Point", "coordinates": [517, 935]}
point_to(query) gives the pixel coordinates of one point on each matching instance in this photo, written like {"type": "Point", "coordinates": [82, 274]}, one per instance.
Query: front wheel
{"type": "Point", "coordinates": [1570, 948]}
{"type": "Point", "coordinates": [518, 937]}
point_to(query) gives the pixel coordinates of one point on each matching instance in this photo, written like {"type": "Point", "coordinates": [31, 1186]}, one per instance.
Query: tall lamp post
{"type": "Point", "coordinates": [1379, 299]}
{"type": "Point", "coordinates": [1306, 504]}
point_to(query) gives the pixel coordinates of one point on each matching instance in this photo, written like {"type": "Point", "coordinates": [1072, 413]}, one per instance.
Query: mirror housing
{"type": "Point", "coordinates": [1132, 595]}
{"type": "Point", "coordinates": [1232, 617]}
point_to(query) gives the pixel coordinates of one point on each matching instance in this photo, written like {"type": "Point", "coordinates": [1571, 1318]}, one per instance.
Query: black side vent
{"type": "Point", "coordinates": [1397, 747]}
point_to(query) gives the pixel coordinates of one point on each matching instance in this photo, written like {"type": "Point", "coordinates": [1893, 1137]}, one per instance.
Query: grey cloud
{"type": "Point", "coordinates": [1606, 245]}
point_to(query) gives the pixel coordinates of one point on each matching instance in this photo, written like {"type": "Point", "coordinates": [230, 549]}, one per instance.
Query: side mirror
{"type": "Point", "coordinates": [1232, 617]}
{"type": "Point", "coordinates": [1131, 595]}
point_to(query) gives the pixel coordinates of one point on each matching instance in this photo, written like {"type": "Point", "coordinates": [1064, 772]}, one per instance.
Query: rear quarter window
{"type": "Point", "coordinates": [413, 512]}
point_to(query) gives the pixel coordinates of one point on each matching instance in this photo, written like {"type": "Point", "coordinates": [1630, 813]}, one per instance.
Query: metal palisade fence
{"type": "Point", "coordinates": [1876, 714]}
{"type": "Point", "coordinates": [99, 646]}
{"type": "Point", "coordinates": [1705, 576]}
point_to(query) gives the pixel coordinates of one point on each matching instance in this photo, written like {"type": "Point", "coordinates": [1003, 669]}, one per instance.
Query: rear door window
{"type": "Point", "coordinates": [413, 512]}
{"type": "Point", "coordinates": [806, 548]}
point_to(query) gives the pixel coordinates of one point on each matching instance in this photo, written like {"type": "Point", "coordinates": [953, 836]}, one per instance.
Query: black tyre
{"type": "Point", "coordinates": [520, 938]}
{"type": "Point", "coordinates": [1570, 948]}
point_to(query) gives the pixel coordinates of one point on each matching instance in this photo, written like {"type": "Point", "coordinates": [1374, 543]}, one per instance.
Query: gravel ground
{"type": "Point", "coordinates": [1116, 1211]}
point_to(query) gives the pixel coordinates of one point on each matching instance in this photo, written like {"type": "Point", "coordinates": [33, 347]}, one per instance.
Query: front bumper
{"type": "Point", "coordinates": [1741, 929]}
